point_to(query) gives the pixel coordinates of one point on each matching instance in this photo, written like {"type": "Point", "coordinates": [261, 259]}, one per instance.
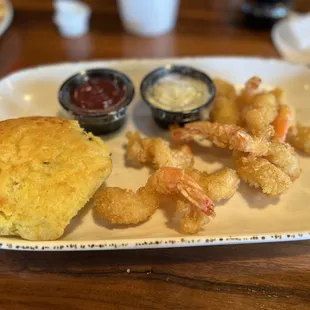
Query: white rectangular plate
{"type": "Point", "coordinates": [248, 217]}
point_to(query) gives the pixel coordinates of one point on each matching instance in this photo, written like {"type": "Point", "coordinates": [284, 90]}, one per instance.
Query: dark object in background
{"type": "Point", "coordinates": [264, 13]}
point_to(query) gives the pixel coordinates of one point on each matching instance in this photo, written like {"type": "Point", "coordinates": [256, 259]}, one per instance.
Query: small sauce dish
{"type": "Point", "coordinates": [177, 94]}
{"type": "Point", "coordinates": [98, 99]}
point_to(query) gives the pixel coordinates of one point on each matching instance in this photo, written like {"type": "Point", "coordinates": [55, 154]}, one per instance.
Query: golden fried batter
{"type": "Point", "coordinates": [259, 172]}
{"type": "Point", "coordinates": [250, 90]}
{"type": "Point", "coordinates": [218, 186]}
{"type": "Point", "coordinates": [299, 137]}
{"type": "Point", "coordinates": [284, 157]}
{"type": "Point", "coordinates": [225, 89]}
{"type": "Point", "coordinates": [193, 220]}
{"type": "Point", "coordinates": [259, 114]}
{"type": "Point", "coordinates": [279, 94]}
{"type": "Point", "coordinates": [122, 206]}
{"type": "Point", "coordinates": [157, 152]}
{"type": "Point", "coordinates": [225, 111]}
{"type": "Point", "coordinates": [222, 135]}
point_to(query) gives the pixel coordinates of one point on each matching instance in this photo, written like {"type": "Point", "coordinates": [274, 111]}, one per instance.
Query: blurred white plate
{"type": "Point", "coordinates": [248, 217]}
{"type": "Point", "coordinates": [285, 43]}
{"type": "Point", "coordinates": [6, 15]}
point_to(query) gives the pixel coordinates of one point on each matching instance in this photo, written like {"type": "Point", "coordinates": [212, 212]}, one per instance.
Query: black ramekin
{"type": "Point", "coordinates": [100, 121]}
{"type": "Point", "coordinates": [166, 118]}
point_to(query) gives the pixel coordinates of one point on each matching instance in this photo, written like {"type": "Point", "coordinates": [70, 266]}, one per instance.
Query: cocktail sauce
{"type": "Point", "coordinates": [98, 98]}
{"type": "Point", "coordinates": [97, 94]}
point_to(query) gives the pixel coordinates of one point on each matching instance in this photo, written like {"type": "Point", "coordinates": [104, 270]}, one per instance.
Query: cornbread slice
{"type": "Point", "coordinates": [49, 169]}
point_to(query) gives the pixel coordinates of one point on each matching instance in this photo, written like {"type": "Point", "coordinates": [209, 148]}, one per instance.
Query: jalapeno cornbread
{"type": "Point", "coordinates": [49, 169]}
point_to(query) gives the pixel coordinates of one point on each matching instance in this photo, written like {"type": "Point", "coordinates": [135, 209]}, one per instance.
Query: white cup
{"type": "Point", "coordinates": [72, 28]}
{"type": "Point", "coordinates": [71, 18]}
{"type": "Point", "coordinates": [148, 17]}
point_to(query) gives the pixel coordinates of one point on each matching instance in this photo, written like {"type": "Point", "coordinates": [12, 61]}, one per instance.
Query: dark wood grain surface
{"type": "Point", "coordinates": [260, 276]}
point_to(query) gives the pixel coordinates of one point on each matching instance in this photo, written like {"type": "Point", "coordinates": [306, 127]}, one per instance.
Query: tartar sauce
{"type": "Point", "coordinates": [179, 93]}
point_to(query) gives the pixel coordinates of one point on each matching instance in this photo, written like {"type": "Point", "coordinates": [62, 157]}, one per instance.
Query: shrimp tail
{"type": "Point", "coordinates": [198, 198]}
{"type": "Point", "coordinates": [282, 123]}
{"type": "Point", "coordinates": [178, 136]}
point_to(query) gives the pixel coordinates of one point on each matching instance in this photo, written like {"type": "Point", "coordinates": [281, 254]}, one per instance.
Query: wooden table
{"type": "Point", "coordinates": [265, 276]}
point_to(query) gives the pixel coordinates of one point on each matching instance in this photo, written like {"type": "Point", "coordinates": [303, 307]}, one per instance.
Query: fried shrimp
{"type": "Point", "coordinates": [225, 89]}
{"type": "Point", "coordinates": [274, 172]}
{"type": "Point", "coordinates": [284, 157]}
{"type": "Point", "coordinates": [250, 90]}
{"type": "Point", "coordinates": [176, 182]}
{"type": "Point", "coordinates": [278, 93]}
{"type": "Point", "coordinates": [259, 172]}
{"type": "Point", "coordinates": [218, 186]}
{"type": "Point", "coordinates": [259, 114]}
{"type": "Point", "coordinates": [282, 123]}
{"type": "Point", "coordinates": [225, 111]}
{"type": "Point", "coordinates": [138, 149]}
{"type": "Point", "coordinates": [192, 220]}
{"type": "Point", "coordinates": [157, 152]}
{"type": "Point", "coordinates": [222, 135]}
{"type": "Point", "coordinates": [299, 137]}
{"type": "Point", "coordinates": [121, 206]}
